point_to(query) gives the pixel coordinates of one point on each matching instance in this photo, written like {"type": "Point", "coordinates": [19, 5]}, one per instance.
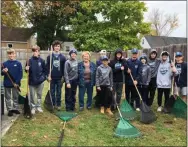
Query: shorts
{"type": "Point", "coordinates": [182, 91]}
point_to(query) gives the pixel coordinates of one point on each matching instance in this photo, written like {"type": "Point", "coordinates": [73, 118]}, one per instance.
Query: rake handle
{"type": "Point", "coordinates": [50, 66]}
{"type": "Point", "coordinates": [62, 135]}
{"type": "Point", "coordinates": [172, 91]}
{"type": "Point", "coordinates": [136, 87]}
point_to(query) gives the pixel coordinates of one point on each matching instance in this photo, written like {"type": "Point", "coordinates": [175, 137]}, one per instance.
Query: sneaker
{"type": "Point", "coordinates": [108, 110]}
{"type": "Point", "coordinates": [39, 109]}
{"type": "Point", "coordinates": [58, 108]}
{"type": "Point", "coordinates": [89, 108]}
{"type": "Point", "coordinates": [138, 109]}
{"type": "Point", "coordinates": [159, 109]}
{"type": "Point", "coordinates": [102, 110]}
{"type": "Point", "coordinates": [10, 113]}
{"type": "Point", "coordinates": [81, 108]}
{"type": "Point", "coordinates": [16, 111]}
{"type": "Point", "coordinates": [33, 111]}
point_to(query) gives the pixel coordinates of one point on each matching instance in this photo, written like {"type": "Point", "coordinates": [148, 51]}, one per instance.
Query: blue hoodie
{"type": "Point", "coordinates": [58, 63]}
{"type": "Point", "coordinates": [37, 71]}
{"type": "Point", "coordinates": [134, 66]}
{"type": "Point", "coordinates": [15, 72]}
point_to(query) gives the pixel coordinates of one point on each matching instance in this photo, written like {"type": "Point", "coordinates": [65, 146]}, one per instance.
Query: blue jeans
{"type": "Point", "coordinates": [70, 95]}
{"type": "Point", "coordinates": [55, 88]}
{"type": "Point", "coordinates": [82, 90]}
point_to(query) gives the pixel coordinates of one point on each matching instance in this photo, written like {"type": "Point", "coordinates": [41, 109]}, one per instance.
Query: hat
{"type": "Point", "coordinates": [72, 51]}
{"type": "Point", "coordinates": [104, 58]}
{"type": "Point", "coordinates": [143, 57]}
{"type": "Point", "coordinates": [153, 51]}
{"type": "Point", "coordinates": [134, 51]}
{"type": "Point", "coordinates": [179, 54]}
{"type": "Point", "coordinates": [165, 53]}
{"type": "Point", "coordinates": [103, 52]}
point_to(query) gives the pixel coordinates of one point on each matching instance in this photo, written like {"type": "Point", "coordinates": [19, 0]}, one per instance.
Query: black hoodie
{"type": "Point", "coordinates": [116, 65]}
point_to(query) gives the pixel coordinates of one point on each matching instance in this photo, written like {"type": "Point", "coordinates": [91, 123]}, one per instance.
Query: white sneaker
{"type": "Point", "coordinates": [137, 109]}
{"type": "Point", "coordinates": [39, 109]}
{"type": "Point", "coordinates": [159, 109]}
{"type": "Point", "coordinates": [33, 111]}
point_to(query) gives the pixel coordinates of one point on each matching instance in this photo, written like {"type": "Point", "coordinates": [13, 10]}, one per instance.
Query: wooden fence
{"type": "Point", "coordinates": [21, 54]}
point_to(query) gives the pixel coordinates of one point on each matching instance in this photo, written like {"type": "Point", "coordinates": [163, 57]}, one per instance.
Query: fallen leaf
{"type": "Point", "coordinates": [14, 139]}
{"type": "Point", "coordinates": [45, 136]}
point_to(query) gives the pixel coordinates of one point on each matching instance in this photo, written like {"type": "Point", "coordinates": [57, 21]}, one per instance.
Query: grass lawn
{"type": "Point", "coordinates": [90, 128]}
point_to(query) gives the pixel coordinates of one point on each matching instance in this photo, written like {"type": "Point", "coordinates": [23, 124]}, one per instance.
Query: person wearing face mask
{"type": "Point", "coordinates": [133, 65]}
{"type": "Point", "coordinates": [154, 63]}
{"type": "Point", "coordinates": [144, 79]}
{"type": "Point", "coordinates": [71, 80]}
{"type": "Point", "coordinates": [164, 75]}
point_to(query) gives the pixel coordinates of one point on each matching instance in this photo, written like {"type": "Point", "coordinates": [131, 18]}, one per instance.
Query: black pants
{"type": "Point", "coordinates": [105, 96]}
{"type": "Point", "coordinates": [144, 93]}
{"type": "Point", "coordinates": [117, 93]}
{"type": "Point", "coordinates": [166, 92]}
{"type": "Point", "coordinates": [151, 91]}
{"type": "Point", "coordinates": [131, 90]}
{"type": "Point", "coordinates": [70, 95]}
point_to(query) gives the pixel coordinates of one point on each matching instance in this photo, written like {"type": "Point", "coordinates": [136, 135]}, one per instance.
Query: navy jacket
{"type": "Point", "coordinates": [15, 72]}
{"type": "Point", "coordinates": [98, 62]}
{"type": "Point", "coordinates": [81, 69]}
{"type": "Point", "coordinates": [181, 77]}
{"type": "Point", "coordinates": [57, 66]}
{"type": "Point", "coordinates": [37, 71]}
{"type": "Point", "coordinates": [134, 66]}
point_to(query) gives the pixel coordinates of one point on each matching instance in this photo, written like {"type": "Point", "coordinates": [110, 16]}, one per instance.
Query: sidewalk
{"type": "Point", "coordinates": [7, 122]}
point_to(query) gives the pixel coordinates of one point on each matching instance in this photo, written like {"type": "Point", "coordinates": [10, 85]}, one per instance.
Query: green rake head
{"type": "Point", "coordinates": [66, 116]}
{"type": "Point", "coordinates": [127, 111]}
{"type": "Point", "coordinates": [126, 130]}
{"type": "Point", "coordinates": [180, 108]}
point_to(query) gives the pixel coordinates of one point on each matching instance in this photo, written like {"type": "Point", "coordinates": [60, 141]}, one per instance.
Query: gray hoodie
{"type": "Point", "coordinates": [154, 64]}
{"type": "Point", "coordinates": [104, 76]}
{"type": "Point", "coordinates": [144, 75]}
{"type": "Point", "coordinates": [71, 70]}
{"type": "Point", "coordinates": [164, 74]}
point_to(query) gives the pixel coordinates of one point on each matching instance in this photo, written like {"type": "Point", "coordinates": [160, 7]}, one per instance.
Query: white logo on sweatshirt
{"type": "Point", "coordinates": [15, 64]}
{"type": "Point", "coordinates": [163, 70]}
{"type": "Point", "coordinates": [56, 63]}
{"type": "Point", "coordinates": [39, 64]}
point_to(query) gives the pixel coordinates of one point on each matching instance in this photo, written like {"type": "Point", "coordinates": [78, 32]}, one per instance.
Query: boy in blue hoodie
{"type": "Point", "coordinates": [71, 80]}
{"type": "Point", "coordinates": [57, 73]}
{"type": "Point", "coordinates": [181, 76]}
{"type": "Point", "coordinates": [133, 65]}
{"type": "Point", "coordinates": [14, 69]}
{"type": "Point", "coordinates": [37, 75]}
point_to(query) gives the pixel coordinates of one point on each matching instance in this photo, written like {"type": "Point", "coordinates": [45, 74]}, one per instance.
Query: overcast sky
{"type": "Point", "coordinates": [171, 7]}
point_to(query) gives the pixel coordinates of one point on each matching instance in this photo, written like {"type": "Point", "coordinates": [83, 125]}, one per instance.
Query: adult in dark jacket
{"type": "Point", "coordinates": [181, 76]}
{"type": "Point", "coordinates": [56, 77]}
{"type": "Point", "coordinates": [37, 75]}
{"type": "Point", "coordinates": [144, 79]}
{"type": "Point", "coordinates": [154, 63]}
{"type": "Point", "coordinates": [86, 80]}
{"type": "Point", "coordinates": [133, 65]}
{"type": "Point", "coordinates": [118, 67]}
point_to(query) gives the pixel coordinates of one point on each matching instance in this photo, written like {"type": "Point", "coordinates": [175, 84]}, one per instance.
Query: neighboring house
{"type": "Point", "coordinates": [67, 46]}
{"type": "Point", "coordinates": [148, 42]}
{"type": "Point", "coordinates": [17, 38]}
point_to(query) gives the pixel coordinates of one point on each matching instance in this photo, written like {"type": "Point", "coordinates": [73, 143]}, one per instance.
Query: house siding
{"type": "Point", "coordinates": [144, 43]}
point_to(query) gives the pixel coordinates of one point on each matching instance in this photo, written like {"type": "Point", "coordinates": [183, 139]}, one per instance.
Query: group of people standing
{"type": "Point", "coordinates": [107, 75]}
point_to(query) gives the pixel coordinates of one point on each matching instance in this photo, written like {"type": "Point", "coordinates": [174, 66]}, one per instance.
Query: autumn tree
{"type": "Point", "coordinates": [121, 22]}
{"type": "Point", "coordinates": [11, 14]}
{"type": "Point", "coordinates": [162, 24]}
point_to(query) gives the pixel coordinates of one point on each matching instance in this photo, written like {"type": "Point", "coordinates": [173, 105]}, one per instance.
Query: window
{"type": "Point", "coordinates": [67, 48]}
{"type": "Point", "coordinates": [9, 45]}
{"type": "Point", "coordinates": [142, 41]}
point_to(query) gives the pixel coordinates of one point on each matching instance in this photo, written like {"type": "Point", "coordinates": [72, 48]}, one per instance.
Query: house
{"type": "Point", "coordinates": [148, 42]}
{"type": "Point", "coordinates": [17, 38]}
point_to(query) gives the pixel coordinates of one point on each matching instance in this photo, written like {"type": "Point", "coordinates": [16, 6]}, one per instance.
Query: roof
{"type": "Point", "coordinates": [15, 34]}
{"type": "Point", "coordinates": [157, 41]}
